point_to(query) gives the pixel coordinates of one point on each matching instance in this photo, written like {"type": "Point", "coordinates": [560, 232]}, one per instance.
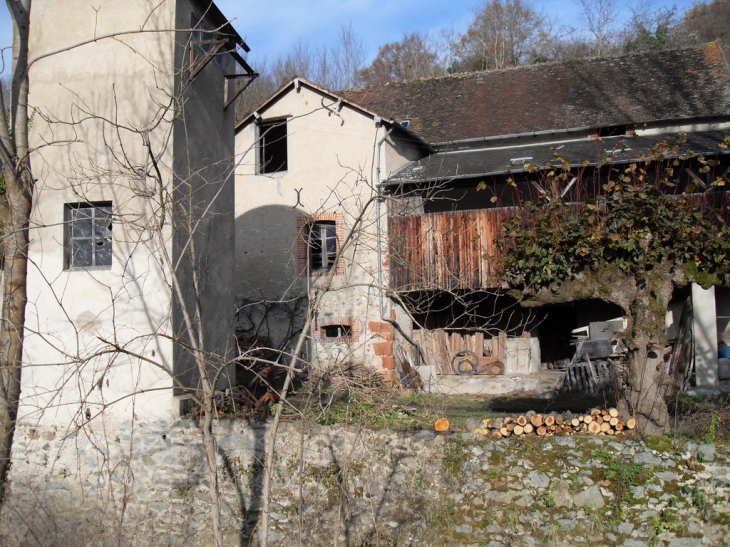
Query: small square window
{"type": "Point", "coordinates": [322, 246]}
{"type": "Point", "coordinates": [88, 238]}
{"type": "Point", "coordinates": [272, 147]}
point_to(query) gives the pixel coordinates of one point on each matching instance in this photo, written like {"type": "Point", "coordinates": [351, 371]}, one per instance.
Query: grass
{"type": "Point", "coordinates": [390, 409]}
{"type": "Point", "coordinates": [697, 418]}
{"type": "Point", "coordinates": [702, 418]}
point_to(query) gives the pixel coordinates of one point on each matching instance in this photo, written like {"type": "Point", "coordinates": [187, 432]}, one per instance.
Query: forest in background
{"type": "Point", "coordinates": [502, 34]}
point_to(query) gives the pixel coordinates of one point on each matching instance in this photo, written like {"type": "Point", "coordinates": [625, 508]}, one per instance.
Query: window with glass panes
{"type": "Point", "coordinates": [88, 235]}
{"type": "Point", "coordinates": [322, 245]}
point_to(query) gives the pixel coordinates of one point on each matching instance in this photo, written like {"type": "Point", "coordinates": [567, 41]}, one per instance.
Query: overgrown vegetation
{"type": "Point", "coordinates": [630, 243]}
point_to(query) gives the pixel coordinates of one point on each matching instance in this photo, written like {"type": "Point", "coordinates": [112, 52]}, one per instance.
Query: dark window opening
{"type": "Point", "coordinates": [337, 331]}
{"type": "Point", "coordinates": [272, 147]}
{"type": "Point", "coordinates": [322, 246]}
{"type": "Point", "coordinates": [88, 237]}
{"type": "Point", "coordinates": [614, 131]}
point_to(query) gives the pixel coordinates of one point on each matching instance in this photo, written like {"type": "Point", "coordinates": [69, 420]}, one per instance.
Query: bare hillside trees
{"type": "Point", "coordinates": [502, 33]}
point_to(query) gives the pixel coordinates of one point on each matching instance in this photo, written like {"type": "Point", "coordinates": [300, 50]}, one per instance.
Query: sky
{"type": "Point", "coordinates": [274, 27]}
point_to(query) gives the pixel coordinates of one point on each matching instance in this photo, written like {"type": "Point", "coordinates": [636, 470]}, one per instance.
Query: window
{"type": "Point", "coordinates": [272, 147]}
{"type": "Point", "coordinates": [88, 239]}
{"type": "Point", "coordinates": [322, 245]}
{"type": "Point", "coordinates": [337, 331]}
{"type": "Point", "coordinates": [319, 237]}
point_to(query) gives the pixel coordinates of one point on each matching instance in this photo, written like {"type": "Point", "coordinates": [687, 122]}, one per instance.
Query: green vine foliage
{"type": "Point", "coordinates": [632, 226]}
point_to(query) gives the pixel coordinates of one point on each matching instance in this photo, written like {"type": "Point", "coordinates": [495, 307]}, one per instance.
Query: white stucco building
{"type": "Point", "coordinates": [134, 199]}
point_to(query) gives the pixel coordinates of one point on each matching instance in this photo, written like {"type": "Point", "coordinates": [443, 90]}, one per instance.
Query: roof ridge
{"type": "Point", "coordinates": [536, 66]}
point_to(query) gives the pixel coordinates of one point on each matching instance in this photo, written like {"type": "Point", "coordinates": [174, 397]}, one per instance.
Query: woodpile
{"type": "Point", "coordinates": [599, 421]}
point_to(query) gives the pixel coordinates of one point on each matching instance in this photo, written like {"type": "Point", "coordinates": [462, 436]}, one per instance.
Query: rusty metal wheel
{"type": "Point", "coordinates": [465, 362]}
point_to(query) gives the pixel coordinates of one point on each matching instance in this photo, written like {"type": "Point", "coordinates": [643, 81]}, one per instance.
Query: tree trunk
{"type": "Point", "coordinates": [15, 207]}
{"type": "Point", "coordinates": [15, 226]}
{"type": "Point", "coordinates": [644, 398]}
{"type": "Point", "coordinates": [644, 300]}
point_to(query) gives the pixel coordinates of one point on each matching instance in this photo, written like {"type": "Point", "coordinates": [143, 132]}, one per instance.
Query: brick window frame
{"type": "Point", "coordinates": [304, 222]}
{"type": "Point", "coordinates": [353, 323]}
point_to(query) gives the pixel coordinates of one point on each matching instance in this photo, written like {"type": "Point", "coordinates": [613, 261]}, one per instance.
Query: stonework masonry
{"type": "Point", "coordinates": [144, 484]}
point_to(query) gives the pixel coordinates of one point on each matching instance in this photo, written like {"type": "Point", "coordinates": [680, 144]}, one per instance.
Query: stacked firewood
{"type": "Point", "coordinates": [599, 421]}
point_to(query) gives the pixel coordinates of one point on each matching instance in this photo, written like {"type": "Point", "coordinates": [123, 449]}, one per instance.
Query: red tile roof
{"type": "Point", "coordinates": [683, 84]}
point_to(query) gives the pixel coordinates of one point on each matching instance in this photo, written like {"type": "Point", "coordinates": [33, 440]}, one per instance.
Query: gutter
{"type": "Point", "coordinates": [379, 247]}
{"type": "Point", "coordinates": [513, 136]}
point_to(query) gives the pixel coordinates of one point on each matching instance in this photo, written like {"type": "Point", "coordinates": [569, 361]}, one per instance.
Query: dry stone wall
{"type": "Point", "coordinates": [144, 484]}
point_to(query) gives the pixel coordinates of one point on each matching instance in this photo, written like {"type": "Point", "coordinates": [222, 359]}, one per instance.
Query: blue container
{"type": "Point", "coordinates": [723, 351]}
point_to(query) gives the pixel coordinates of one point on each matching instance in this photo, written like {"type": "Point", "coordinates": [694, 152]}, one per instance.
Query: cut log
{"type": "Point", "coordinates": [613, 412]}
{"type": "Point", "coordinates": [528, 429]}
{"type": "Point", "coordinates": [549, 420]}
{"type": "Point", "coordinates": [587, 419]}
{"type": "Point", "coordinates": [596, 412]}
{"type": "Point", "coordinates": [594, 428]}
{"type": "Point", "coordinates": [605, 426]}
{"type": "Point", "coordinates": [542, 431]}
{"type": "Point", "coordinates": [613, 421]}
{"type": "Point", "coordinates": [537, 420]}
{"type": "Point", "coordinates": [575, 422]}
{"type": "Point", "coordinates": [504, 432]}
{"type": "Point", "coordinates": [521, 420]}
{"type": "Point", "coordinates": [518, 430]}
{"type": "Point", "coordinates": [598, 419]}
{"type": "Point", "coordinates": [441, 424]}
{"type": "Point", "coordinates": [630, 423]}
{"type": "Point", "coordinates": [497, 434]}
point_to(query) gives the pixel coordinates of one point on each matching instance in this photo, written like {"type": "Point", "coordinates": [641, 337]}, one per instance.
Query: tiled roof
{"type": "Point", "coordinates": [480, 162]}
{"type": "Point", "coordinates": [640, 88]}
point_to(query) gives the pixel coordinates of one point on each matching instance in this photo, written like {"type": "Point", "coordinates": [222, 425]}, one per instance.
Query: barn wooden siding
{"type": "Point", "coordinates": [446, 251]}
{"type": "Point", "coordinates": [458, 250]}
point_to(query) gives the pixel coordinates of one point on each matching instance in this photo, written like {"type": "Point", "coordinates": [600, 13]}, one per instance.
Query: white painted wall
{"type": "Point", "coordinates": [331, 162]}
{"type": "Point", "coordinates": [97, 102]}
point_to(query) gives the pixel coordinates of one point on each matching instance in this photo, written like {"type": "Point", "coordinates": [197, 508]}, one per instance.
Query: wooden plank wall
{"type": "Point", "coordinates": [446, 251]}
{"type": "Point", "coordinates": [440, 346]}
{"type": "Point", "coordinates": [458, 250]}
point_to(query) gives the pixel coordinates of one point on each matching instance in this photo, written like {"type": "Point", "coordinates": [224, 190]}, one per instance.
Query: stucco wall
{"type": "Point", "coordinates": [92, 103]}
{"type": "Point", "coordinates": [331, 170]}
{"type": "Point", "coordinates": [102, 339]}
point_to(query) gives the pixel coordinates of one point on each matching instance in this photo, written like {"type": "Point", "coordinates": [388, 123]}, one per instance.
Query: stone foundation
{"type": "Point", "coordinates": [145, 485]}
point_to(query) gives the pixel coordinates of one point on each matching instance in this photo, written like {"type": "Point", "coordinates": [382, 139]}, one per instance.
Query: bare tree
{"type": "Point", "coordinates": [707, 21]}
{"type": "Point", "coordinates": [408, 59]}
{"type": "Point", "coordinates": [15, 210]}
{"type": "Point", "coordinates": [653, 30]}
{"type": "Point", "coordinates": [600, 18]}
{"type": "Point", "coordinates": [502, 34]}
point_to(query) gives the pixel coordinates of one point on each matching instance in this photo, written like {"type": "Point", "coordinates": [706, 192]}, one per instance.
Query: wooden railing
{"type": "Point", "coordinates": [458, 250]}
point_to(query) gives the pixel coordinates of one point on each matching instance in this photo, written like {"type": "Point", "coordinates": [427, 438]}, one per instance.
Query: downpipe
{"type": "Point", "coordinates": [379, 250]}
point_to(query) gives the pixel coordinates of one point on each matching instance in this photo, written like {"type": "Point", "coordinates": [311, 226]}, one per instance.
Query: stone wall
{"type": "Point", "coordinates": [144, 484]}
